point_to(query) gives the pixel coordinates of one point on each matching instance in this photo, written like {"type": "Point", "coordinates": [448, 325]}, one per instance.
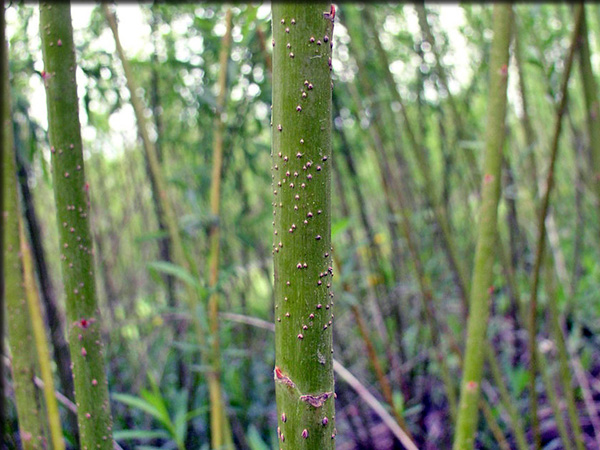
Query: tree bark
{"type": "Point", "coordinates": [484, 257]}
{"type": "Point", "coordinates": [301, 153]}
{"type": "Point", "coordinates": [71, 194]}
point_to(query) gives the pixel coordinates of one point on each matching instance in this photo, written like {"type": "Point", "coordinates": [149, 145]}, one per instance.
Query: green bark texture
{"type": "Point", "coordinates": [19, 325]}
{"type": "Point", "coordinates": [486, 241]}
{"type": "Point", "coordinates": [593, 107]}
{"type": "Point", "coordinates": [71, 194]}
{"type": "Point", "coordinates": [301, 149]}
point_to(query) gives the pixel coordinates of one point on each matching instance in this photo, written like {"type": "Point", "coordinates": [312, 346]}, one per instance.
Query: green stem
{"type": "Point", "coordinates": [486, 241]}
{"type": "Point", "coordinates": [301, 153]}
{"type": "Point", "coordinates": [179, 255]}
{"type": "Point", "coordinates": [220, 427]}
{"type": "Point", "coordinates": [72, 208]}
{"type": "Point", "coordinates": [31, 427]}
{"type": "Point", "coordinates": [541, 240]}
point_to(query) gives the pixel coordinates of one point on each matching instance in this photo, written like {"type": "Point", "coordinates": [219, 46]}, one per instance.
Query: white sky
{"type": "Point", "coordinates": [134, 32]}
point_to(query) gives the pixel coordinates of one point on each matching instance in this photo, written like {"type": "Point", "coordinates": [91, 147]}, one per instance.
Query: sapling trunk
{"type": "Point", "coordinates": [20, 335]}
{"type": "Point", "coordinates": [301, 153]}
{"type": "Point", "coordinates": [484, 257]}
{"type": "Point", "coordinates": [72, 209]}
{"type": "Point", "coordinates": [220, 428]}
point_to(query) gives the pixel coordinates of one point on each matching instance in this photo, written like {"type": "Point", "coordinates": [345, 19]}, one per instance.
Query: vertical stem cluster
{"type": "Point", "coordinates": [301, 158]}
{"type": "Point", "coordinates": [159, 183]}
{"type": "Point", "coordinates": [54, 317]}
{"type": "Point", "coordinates": [484, 257]}
{"type": "Point", "coordinates": [543, 212]}
{"type": "Point", "coordinates": [421, 156]}
{"type": "Point", "coordinates": [72, 208]}
{"type": "Point", "coordinates": [220, 429]}
{"type": "Point", "coordinates": [591, 102]}
{"type": "Point", "coordinates": [41, 343]}
{"type": "Point", "coordinates": [220, 433]}
{"type": "Point", "coordinates": [20, 338]}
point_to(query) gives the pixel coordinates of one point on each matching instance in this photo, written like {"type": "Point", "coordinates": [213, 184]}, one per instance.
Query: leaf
{"type": "Point", "coordinates": [339, 225]}
{"type": "Point", "coordinates": [255, 442]}
{"type": "Point", "coordinates": [519, 379]}
{"type": "Point", "coordinates": [179, 422]}
{"type": "Point", "coordinates": [195, 413]}
{"type": "Point", "coordinates": [180, 427]}
{"type": "Point", "coordinates": [151, 236]}
{"type": "Point", "coordinates": [120, 435]}
{"type": "Point", "coordinates": [157, 401]}
{"type": "Point", "coordinates": [175, 270]}
{"type": "Point", "coordinates": [398, 402]}
{"type": "Point", "coordinates": [138, 403]}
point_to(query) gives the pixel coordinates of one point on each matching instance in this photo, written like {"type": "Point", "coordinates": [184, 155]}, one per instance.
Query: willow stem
{"type": "Point", "coordinates": [486, 240]}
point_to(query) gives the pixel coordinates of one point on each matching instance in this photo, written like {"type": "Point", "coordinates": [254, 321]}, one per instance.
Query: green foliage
{"type": "Point", "coordinates": [173, 418]}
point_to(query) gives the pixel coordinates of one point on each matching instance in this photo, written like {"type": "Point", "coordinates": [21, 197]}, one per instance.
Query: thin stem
{"type": "Point", "coordinates": [486, 240]}
{"type": "Point", "coordinates": [220, 427]}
